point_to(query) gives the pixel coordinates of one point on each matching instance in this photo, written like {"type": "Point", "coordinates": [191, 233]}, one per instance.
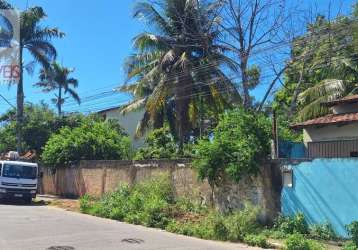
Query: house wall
{"type": "Point", "coordinates": [129, 122]}
{"type": "Point", "coordinates": [330, 133]}
{"type": "Point", "coordinates": [324, 190]}
{"type": "Point", "coordinates": [98, 177]}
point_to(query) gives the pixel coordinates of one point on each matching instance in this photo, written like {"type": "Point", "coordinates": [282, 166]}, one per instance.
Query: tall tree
{"type": "Point", "coordinates": [37, 41]}
{"type": "Point", "coordinates": [250, 26]}
{"type": "Point", "coordinates": [177, 67]}
{"type": "Point", "coordinates": [323, 67]}
{"type": "Point", "coordinates": [57, 77]}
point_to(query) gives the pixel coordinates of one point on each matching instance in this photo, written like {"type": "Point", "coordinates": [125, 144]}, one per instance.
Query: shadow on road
{"type": "Point", "coordinates": [23, 203]}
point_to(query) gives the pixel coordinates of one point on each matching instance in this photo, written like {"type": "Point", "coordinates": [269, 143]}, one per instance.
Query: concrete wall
{"type": "Point", "coordinates": [330, 133]}
{"type": "Point", "coordinates": [98, 177]}
{"type": "Point", "coordinates": [324, 190]}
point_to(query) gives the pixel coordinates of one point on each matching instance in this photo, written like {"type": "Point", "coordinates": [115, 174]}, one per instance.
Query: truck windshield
{"type": "Point", "coordinates": [18, 171]}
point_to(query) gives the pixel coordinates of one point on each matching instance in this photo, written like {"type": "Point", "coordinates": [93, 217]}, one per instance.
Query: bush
{"type": "Point", "coordinates": [92, 140]}
{"type": "Point", "coordinates": [242, 222]}
{"type": "Point", "coordinates": [256, 241]}
{"type": "Point", "coordinates": [353, 232]}
{"type": "Point", "coordinates": [240, 143]}
{"type": "Point", "coordinates": [296, 242]}
{"type": "Point", "coordinates": [233, 226]}
{"type": "Point", "coordinates": [146, 203]}
{"type": "Point", "coordinates": [292, 225]}
{"type": "Point", "coordinates": [323, 232]}
{"type": "Point", "coordinates": [160, 144]}
{"type": "Point", "coordinates": [350, 246]}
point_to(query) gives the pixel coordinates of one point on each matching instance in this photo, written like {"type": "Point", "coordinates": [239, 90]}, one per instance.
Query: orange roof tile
{"type": "Point", "coordinates": [328, 120]}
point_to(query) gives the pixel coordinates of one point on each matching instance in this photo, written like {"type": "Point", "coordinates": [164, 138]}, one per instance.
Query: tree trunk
{"type": "Point", "coordinates": [182, 101]}
{"type": "Point", "coordinates": [296, 92]}
{"type": "Point", "coordinates": [59, 101]}
{"type": "Point", "coordinates": [20, 106]}
{"type": "Point", "coordinates": [245, 84]}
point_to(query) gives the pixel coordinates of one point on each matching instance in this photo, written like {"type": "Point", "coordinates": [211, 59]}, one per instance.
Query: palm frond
{"type": "Point", "coordinates": [133, 106]}
{"type": "Point", "coordinates": [146, 12]}
{"type": "Point", "coordinates": [151, 42]}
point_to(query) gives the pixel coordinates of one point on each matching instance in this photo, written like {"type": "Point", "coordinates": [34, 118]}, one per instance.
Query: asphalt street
{"type": "Point", "coordinates": [43, 227]}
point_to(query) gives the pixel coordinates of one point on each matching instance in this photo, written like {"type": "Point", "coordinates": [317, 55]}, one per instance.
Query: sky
{"type": "Point", "coordinates": [98, 38]}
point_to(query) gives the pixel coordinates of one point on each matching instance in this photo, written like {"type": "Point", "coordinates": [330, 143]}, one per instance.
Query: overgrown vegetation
{"type": "Point", "coordinates": [352, 230]}
{"type": "Point", "coordinates": [239, 144]}
{"type": "Point", "coordinates": [161, 144]}
{"type": "Point", "coordinates": [153, 204]}
{"type": "Point", "coordinates": [40, 122]}
{"type": "Point", "coordinates": [93, 139]}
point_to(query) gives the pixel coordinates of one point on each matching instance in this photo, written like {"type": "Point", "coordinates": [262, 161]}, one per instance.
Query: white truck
{"type": "Point", "coordinates": [18, 180]}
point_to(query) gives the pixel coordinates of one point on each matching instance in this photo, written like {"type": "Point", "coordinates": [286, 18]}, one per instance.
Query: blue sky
{"type": "Point", "coordinates": [98, 38]}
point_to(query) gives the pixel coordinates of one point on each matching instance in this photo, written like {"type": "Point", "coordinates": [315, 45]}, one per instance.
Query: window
{"type": "Point", "coordinates": [17, 171]}
{"type": "Point", "coordinates": [287, 177]}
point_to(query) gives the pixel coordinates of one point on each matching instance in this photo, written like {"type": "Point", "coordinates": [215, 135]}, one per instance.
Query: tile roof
{"type": "Point", "coordinates": [347, 99]}
{"type": "Point", "coordinates": [332, 119]}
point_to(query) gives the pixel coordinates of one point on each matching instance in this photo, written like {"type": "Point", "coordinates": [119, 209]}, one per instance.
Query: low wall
{"type": "Point", "coordinates": [324, 190]}
{"type": "Point", "coordinates": [98, 177]}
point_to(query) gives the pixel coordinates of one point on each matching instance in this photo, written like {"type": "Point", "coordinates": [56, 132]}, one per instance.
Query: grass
{"type": "Point", "coordinates": [154, 204]}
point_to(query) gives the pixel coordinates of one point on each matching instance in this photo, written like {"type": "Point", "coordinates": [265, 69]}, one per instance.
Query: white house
{"type": "Point", "coordinates": [333, 135]}
{"type": "Point", "coordinates": [129, 122]}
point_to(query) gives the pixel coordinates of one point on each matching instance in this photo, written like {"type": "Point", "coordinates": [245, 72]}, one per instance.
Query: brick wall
{"type": "Point", "coordinates": [98, 177]}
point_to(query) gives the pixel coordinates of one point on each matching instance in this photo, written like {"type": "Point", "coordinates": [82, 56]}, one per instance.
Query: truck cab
{"type": "Point", "coordinates": [18, 180]}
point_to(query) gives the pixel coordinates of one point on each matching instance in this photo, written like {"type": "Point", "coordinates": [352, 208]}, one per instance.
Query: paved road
{"type": "Point", "coordinates": [42, 227]}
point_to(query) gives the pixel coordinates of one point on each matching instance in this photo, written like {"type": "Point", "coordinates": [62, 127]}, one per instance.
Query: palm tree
{"type": "Point", "coordinates": [310, 100]}
{"type": "Point", "coordinates": [57, 77]}
{"type": "Point", "coordinates": [37, 41]}
{"type": "Point", "coordinates": [177, 68]}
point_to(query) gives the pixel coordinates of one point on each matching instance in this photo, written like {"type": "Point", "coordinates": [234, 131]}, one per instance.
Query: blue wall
{"type": "Point", "coordinates": [291, 150]}
{"type": "Point", "coordinates": [324, 190]}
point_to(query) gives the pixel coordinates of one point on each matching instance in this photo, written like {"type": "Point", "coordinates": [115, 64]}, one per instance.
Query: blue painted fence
{"type": "Point", "coordinates": [291, 150]}
{"type": "Point", "coordinates": [324, 190]}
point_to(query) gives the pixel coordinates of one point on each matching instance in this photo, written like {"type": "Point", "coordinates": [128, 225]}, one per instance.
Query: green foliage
{"type": "Point", "coordinates": [320, 69]}
{"type": "Point", "coordinates": [160, 144]}
{"type": "Point", "coordinates": [162, 51]}
{"type": "Point", "coordinates": [256, 241]}
{"type": "Point", "coordinates": [298, 242]}
{"type": "Point", "coordinates": [234, 226]}
{"type": "Point", "coordinates": [40, 122]}
{"type": "Point", "coordinates": [349, 246]}
{"type": "Point", "coordinates": [292, 225]}
{"type": "Point", "coordinates": [92, 140]}
{"type": "Point", "coordinates": [353, 232]}
{"type": "Point", "coordinates": [146, 203]}
{"type": "Point", "coordinates": [323, 232]}
{"type": "Point", "coordinates": [240, 143]}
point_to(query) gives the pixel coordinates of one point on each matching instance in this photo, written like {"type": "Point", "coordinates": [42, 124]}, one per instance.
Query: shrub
{"type": "Point", "coordinates": [353, 232]}
{"type": "Point", "coordinates": [92, 140]}
{"type": "Point", "coordinates": [323, 232]}
{"type": "Point", "coordinates": [350, 246]}
{"type": "Point", "coordinates": [256, 241]}
{"type": "Point", "coordinates": [147, 203]}
{"type": "Point", "coordinates": [231, 152]}
{"type": "Point", "coordinates": [242, 222]}
{"type": "Point", "coordinates": [298, 242]}
{"type": "Point", "coordinates": [292, 225]}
